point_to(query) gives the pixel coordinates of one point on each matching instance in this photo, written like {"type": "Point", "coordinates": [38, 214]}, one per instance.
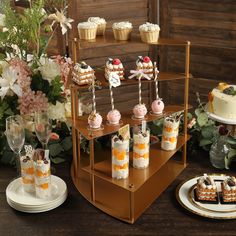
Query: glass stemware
{"type": "Point", "coordinates": [43, 127]}
{"type": "Point", "coordinates": [15, 134]}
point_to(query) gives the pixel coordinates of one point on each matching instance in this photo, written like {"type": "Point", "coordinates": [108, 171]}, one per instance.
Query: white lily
{"type": "Point", "coordinates": [61, 18]}
{"type": "Point", "coordinates": [8, 82]}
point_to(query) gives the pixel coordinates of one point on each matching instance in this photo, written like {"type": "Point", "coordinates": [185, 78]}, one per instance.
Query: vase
{"type": "Point", "coordinates": [219, 149]}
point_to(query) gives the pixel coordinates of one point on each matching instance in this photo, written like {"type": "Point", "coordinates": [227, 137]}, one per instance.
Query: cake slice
{"type": "Point", "coordinates": [228, 187]}
{"type": "Point", "coordinates": [206, 189]}
{"type": "Point", "coordinates": [145, 64]}
{"type": "Point", "coordinates": [114, 65]}
{"type": "Point", "coordinates": [82, 74]}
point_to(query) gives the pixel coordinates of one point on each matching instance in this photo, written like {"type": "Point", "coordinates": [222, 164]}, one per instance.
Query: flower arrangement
{"type": "Point", "coordinates": [30, 80]}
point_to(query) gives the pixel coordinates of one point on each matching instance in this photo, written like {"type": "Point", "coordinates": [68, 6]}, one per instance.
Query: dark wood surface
{"type": "Point", "coordinates": [78, 217]}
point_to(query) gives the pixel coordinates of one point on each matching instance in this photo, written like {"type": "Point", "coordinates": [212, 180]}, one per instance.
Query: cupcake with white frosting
{"type": "Point", "coordinates": [149, 32]}
{"type": "Point", "coordinates": [87, 30]}
{"type": "Point", "coordinates": [122, 30]}
{"type": "Point", "coordinates": [101, 24]}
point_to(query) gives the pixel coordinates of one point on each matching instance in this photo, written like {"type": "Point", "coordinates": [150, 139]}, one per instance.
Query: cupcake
{"type": "Point", "coordinates": [157, 106]}
{"type": "Point", "coordinates": [101, 24]}
{"type": "Point", "coordinates": [122, 30]}
{"type": "Point", "coordinates": [87, 30]}
{"type": "Point", "coordinates": [149, 32]}
{"type": "Point", "coordinates": [113, 117]}
{"type": "Point", "coordinates": [94, 120]}
{"type": "Point", "coordinates": [140, 111]}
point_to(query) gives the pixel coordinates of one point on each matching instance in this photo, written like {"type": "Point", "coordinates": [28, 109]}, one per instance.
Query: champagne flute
{"type": "Point", "coordinates": [15, 134]}
{"type": "Point", "coordinates": [43, 127]}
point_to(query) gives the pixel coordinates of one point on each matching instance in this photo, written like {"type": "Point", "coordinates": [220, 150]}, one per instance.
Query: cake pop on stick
{"type": "Point", "coordinates": [157, 105]}
{"type": "Point", "coordinates": [94, 119]}
{"type": "Point", "coordinates": [114, 115]}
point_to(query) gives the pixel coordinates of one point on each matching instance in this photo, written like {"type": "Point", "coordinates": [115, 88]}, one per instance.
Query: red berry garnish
{"type": "Point", "coordinates": [116, 62]}
{"type": "Point", "coordinates": [146, 59]}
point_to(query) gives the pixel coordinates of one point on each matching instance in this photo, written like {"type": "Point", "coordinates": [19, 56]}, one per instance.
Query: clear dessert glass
{"type": "Point", "coordinates": [120, 157]}
{"type": "Point", "coordinates": [141, 146]}
{"type": "Point", "coordinates": [42, 173]}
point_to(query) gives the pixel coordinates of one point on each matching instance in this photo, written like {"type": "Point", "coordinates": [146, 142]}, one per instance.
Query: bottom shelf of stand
{"type": "Point", "coordinates": [128, 199]}
{"type": "Point", "coordinates": [120, 203]}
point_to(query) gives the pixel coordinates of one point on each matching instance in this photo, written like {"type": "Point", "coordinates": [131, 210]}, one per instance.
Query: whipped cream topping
{"type": "Point", "coordinates": [122, 25]}
{"type": "Point", "coordinates": [87, 25]}
{"type": "Point", "coordinates": [149, 27]}
{"type": "Point", "coordinates": [230, 183]}
{"type": "Point", "coordinates": [97, 20]}
{"type": "Point", "coordinates": [206, 182]}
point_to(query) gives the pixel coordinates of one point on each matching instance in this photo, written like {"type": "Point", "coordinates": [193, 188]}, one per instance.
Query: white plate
{"type": "Point", "coordinates": [219, 118]}
{"type": "Point", "coordinates": [16, 194]}
{"type": "Point", "coordinates": [37, 210]}
{"type": "Point", "coordinates": [185, 196]}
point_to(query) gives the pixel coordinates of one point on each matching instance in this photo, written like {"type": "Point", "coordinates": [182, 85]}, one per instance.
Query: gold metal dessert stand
{"type": "Point", "coordinates": [91, 173]}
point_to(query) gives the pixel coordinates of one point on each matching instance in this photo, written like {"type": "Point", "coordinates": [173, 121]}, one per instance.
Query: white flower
{"type": "Point", "coordinates": [61, 18]}
{"type": "Point", "coordinates": [8, 82]}
{"type": "Point", "coordinates": [2, 20]}
{"type": "Point", "coordinates": [57, 112]}
{"type": "Point", "coordinates": [49, 69]}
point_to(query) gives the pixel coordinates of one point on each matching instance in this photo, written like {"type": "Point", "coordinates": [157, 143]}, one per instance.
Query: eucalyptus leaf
{"type": "Point", "coordinates": [198, 111]}
{"type": "Point", "coordinates": [207, 132]}
{"type": "Point", "coordinates": [58, 160]}
{"type": "Point", "coordinates": [202, 119]}
{"type": "Point", "coordinates": [66, 143]}
{"type": "Point", "coordinates": [232, 153]}
{"type": "Point", "coordinates": [55, 149]}
{"type": "Point", "coordinates": [204, 142]}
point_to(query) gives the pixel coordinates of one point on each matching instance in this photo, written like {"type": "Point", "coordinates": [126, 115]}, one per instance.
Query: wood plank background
{"type": "Point", "coordinates": [210, 25]}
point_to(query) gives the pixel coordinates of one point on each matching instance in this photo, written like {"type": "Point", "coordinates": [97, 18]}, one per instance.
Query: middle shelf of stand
{"type": "Point", "coordinates": [137, 177]}
{"type": "Point", "coordinates": [81, 124]}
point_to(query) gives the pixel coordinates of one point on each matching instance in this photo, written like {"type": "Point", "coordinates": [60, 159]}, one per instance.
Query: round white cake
{"type": "Point", "coordinates": [222, 101]}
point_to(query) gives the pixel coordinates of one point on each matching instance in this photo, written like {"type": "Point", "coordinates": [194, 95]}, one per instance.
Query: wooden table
{"type": "Point", "coordinates": [77, 217]}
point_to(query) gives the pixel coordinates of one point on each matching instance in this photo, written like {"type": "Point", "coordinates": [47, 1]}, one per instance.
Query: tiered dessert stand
{"type": "Point", "coordinates": [91, 173]}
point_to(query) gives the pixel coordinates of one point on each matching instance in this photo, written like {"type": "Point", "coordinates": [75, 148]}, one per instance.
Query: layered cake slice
{"type": "Point", "coordinates": [206, 189]}
{"type": "Point", "coordinates": [114, 65]}
{"type": "Point", "coordinates": [145, 64]}
{"type": "Point", "coordinates": [228, 188]}
{"type": "Point", "coordinates": [82, 74]}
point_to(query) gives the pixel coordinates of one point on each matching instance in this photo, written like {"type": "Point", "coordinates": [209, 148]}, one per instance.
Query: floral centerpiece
{"type": "Point", "coordinates": [30, 80]}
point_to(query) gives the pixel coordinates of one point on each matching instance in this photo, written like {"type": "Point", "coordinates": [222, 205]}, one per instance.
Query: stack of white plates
{"type": "Point", "coordinates": [20, 200]}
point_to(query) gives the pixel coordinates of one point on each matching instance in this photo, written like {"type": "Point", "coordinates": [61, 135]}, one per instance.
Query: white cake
{"type": "Point", "coordinates": [221, 103]}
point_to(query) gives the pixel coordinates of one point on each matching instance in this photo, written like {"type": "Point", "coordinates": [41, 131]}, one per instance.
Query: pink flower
{"type": "Point", "coordinates": [32, 101]}
{"type": "Point", "coordinates": [54, 136]}
{"type": "Point", "coordinates": [65, 65]}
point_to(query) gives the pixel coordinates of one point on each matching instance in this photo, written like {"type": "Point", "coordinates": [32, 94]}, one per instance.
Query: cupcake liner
{"type": "Point", "coordinates": [122, 34]}
{"type": "Point", "coordinates": [149, 37]}
{"type": "Point", "coordinates": [101, 29]}
{"type": "Point", "coordinates": [87, 34]}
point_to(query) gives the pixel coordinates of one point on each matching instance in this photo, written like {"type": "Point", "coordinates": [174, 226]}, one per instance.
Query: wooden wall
{"type": "Point", "coordinates": [210, 25]}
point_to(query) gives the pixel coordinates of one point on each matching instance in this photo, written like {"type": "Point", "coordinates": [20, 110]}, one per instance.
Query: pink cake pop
{"type": "Point", "coordinates": [113, 117]}
{"type": "Point", "coordinates": [158, 106]}
{"type": "Point", "coordinates": [140, 111]}
{"type": "Point", "coordinates": [94, 120]}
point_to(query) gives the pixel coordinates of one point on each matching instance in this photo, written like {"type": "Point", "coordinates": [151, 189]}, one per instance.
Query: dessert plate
{"type": "Point", "coordinates": [219, 118]}
{"type": "Point", "coordinates": [28, 202]}
{"type": "Point", "coordinates": [185, 196]}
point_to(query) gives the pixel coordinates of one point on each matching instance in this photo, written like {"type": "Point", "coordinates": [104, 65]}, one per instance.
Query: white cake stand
{"type": "Point", "coordinates": [222, 120]}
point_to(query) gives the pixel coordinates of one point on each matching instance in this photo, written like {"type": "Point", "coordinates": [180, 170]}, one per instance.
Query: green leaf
{"type": "Point", "coordinates": [204, 142]}
{"type": "Point", "coordinates": [232, 153]}
{"type": "Point", "coordinates": [207, 132]}
{"type": "Point", "coordinates": [231, 140]}
{"type": "Point", "coordinates": [198, 111]}
{"type": "Point", "coordinates": [55, 149]}
{"type": "Point", "coordinates": [66, 143]}
{"type": "Point", "coordinates": [57, 160]}
{"type": "Point", "coordinates": [202, 119]}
